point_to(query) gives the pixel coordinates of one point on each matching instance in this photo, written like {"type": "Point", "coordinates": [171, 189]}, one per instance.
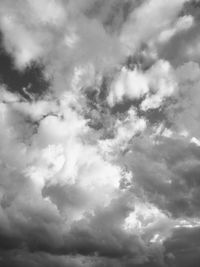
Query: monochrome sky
{"type": "Point", "coordinates": [100, 133]}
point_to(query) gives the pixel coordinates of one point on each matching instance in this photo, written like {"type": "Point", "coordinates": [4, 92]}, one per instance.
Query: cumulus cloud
{"type": "Point", "coordinates": [131, 84]}
{"type": "Point", "coordinates": [90, 173]}
{"type": "Point", "coordinates": [152, 86]}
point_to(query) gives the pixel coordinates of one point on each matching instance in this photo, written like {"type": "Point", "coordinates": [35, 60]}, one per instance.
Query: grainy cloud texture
{"type": "Point", "coordinates": [100, 133]}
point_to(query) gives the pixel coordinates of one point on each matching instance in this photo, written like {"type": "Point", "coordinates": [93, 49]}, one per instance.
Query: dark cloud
{"type": "Point", "coordinates": [31, 78]}
{"type": "Point", "coordinates": [184, 244]}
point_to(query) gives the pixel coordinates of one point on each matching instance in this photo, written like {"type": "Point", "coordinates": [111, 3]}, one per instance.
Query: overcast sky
{"type": "Point", "coordinates": [99, 133]}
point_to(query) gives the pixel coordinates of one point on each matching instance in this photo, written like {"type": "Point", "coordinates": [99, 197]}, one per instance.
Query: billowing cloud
{"type": "Point", "coordinates": [152, 86]}
{"type": "Point", "coordinates": [100, 145]}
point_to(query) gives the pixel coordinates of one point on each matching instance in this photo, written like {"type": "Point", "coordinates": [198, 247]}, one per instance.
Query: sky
{"type": "Point", "coordinates": [100, 133]}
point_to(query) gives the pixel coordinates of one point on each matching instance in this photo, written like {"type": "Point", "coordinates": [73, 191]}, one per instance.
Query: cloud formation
{"type": "Point", "coordinates": [99, 152]}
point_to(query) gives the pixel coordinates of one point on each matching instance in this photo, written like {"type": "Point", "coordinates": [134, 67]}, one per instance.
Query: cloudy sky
{"type": "Point", "coordinates": [100, 133]}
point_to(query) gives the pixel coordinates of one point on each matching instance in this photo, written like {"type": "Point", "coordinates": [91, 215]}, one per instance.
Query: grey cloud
{"type": "Point", "coordinates": [184, 45]}
{"type": "Point", "coordinates": [184, 244]}
{"type": "Point", "coordinates": [168, 172]}
{"type": "Point", "coordinates": [183, 110]}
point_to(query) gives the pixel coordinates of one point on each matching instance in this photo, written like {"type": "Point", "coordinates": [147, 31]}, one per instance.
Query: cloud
{"type": "Point", "coordinates": [160, 14]}
{"type": "Point", "coordinates": [50, 12]}
{"type": "Point", "coordinates": [185, 247]}
{"type": "Point", "coordinates": [185, 110]}
{"type": "Point", "coordinates": [183, 24]}
{"type": "Point", "coordinates": [152, 86]}
{"type": "Point", "coordinates": [170, 172]}
{"type": "Point", "coordinates": [130, 84]}
{"type": "Point", "coordinates": [83, 182]}
{"type": "Point", "coordinates": [61, 28]}
{"type": "Point", "coordinates": [162, 82]}
{"type": "Point", "coordinates": [183, 46]}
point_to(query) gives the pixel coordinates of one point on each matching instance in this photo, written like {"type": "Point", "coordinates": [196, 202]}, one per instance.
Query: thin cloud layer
{"type": "Point", "coordinates": [102, 167]}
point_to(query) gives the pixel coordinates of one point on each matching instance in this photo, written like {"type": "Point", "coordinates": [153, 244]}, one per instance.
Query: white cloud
{"type": "Point", "coordinates": [154, 85]}
{"type": "Point", "coordinates": [130, 84]}
{"type": "Point", "coordinates": [150, 222]}
{"type": "Point", "coordinates": [162, 82]}
{"type": "Point", "coordinates": [182, 24]}
{"type": "Point", "coordinates": [124, 131]}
